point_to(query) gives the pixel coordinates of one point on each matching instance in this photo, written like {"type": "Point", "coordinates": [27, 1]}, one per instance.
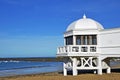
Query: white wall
{"type": "Point", "coordinates": [109, 41]}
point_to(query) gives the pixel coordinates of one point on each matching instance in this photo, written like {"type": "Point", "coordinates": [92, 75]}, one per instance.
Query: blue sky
{"type": "Point", "coordinates": [34, 28]}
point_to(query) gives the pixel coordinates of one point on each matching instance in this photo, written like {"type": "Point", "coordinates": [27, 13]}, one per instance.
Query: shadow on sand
{"type": "Point", "coordinates": [117, 70]}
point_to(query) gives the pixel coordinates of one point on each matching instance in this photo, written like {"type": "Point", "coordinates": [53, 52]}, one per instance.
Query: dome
{"type": "Point", "coordinates": [85, 24]}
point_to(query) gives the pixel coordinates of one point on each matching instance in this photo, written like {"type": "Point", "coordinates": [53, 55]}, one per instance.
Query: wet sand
{"type": "Point", "coordinates": [115, 75]}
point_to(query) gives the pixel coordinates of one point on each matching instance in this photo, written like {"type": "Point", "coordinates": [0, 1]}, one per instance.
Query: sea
{"type": "Point", "coordinates": [12, 68]}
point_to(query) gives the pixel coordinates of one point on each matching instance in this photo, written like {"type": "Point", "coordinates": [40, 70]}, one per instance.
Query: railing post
{"type": "Point", "coordinates": [61, 49]}
{"type": "Point", "coordinates": [67, 47]}
{"type": "Point", "coordinates": [96, 48]}
{"type": "Point", "coordinates": [79, 49]}
{"type": "Point", "coordinates": [88, 47]}
{"type": "Point", "coordinates": [70, 48]}
{"type": "Point", "coordinates": [58, 50]}
{"type": "Point", "coordinates": [64, 49]}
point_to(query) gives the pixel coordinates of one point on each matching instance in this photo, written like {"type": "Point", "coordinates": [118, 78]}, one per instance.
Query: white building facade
{"type": "Point", "coordinates": [88, 46]}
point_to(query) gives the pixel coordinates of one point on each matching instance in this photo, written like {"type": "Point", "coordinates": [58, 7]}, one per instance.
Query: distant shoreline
{"type": "Point", "coordinates": [42, 59]}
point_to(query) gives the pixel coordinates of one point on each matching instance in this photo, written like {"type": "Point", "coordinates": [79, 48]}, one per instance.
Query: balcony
{"type": "Point", "coordinates": [75, 50]}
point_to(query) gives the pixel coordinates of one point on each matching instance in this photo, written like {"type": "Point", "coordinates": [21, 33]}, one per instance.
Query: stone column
{"type": "Point", "coordinates": [74, 40]}
{"type": "Point", "coordinates": [108, 70]}
{"type": "Point", "coordinates": [74, 66]}
{"type": "Point", "coordinates": [108, 66]}
{"type": "Point", "coordinates": [64, 69]}
{"type": "Point", "coordinates": [90, 40]}
{"type": "Point", "coordinates": [99, 66]}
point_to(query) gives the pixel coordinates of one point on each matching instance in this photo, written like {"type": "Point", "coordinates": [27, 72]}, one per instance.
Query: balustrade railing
{"type": "Point", "coordinates": [77, 49]}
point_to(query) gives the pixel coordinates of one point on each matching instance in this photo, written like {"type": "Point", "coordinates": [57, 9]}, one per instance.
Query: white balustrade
{"type": "Point", "coordinates": [77, 49]}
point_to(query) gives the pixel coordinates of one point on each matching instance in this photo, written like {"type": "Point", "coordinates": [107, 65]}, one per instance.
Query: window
{"type": "Point", "coordinates": [69, 40]}
{"type": "Point", "coordinates": [78, 40]}
{"type": "Point", "coordinates": [94, 40]}
{"type": "Point", "coordinates": [86, 40]}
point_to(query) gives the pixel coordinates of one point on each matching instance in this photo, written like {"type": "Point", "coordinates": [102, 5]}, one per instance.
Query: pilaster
{"type": "Point", "coordinates": [74, 66]}
{"type": "Point", "coordinates": [64, 69]}
{"type": "Point", "coordinates": [99, 65]}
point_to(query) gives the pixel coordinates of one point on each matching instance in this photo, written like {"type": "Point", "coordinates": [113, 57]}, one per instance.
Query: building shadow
{"type": "Point", "coordinates": [116, 70]}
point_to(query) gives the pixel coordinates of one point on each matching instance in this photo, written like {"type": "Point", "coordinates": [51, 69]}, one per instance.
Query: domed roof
{"type": "Point", "coordinates": [85, 24]}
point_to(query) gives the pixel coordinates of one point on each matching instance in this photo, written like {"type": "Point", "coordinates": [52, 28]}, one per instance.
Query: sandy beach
{"type": "Point", "coordinates": [59, 76]}
{"type": "Point", "coordinates": [112, 76]}
{"type": "Point", "coordinates": [83, 75]}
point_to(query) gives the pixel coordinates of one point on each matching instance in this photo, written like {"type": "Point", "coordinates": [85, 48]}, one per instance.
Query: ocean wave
{"type": "Point", "coordinates": [26, 67]}
{"type": "Point", "coordinates": [9, 61]}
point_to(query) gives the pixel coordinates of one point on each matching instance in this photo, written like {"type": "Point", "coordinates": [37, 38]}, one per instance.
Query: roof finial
{"type": "Point", "coordinates": [84, 16]}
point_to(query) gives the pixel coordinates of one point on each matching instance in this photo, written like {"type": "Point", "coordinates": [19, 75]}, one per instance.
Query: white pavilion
{"type": "Point", "coordinates": [88, 46]}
